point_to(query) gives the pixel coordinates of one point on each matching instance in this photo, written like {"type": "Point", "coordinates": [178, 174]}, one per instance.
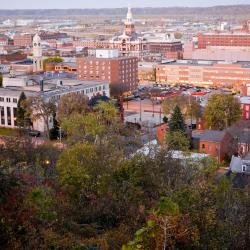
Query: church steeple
{"type": "Point", "coordinates": [129, 23]}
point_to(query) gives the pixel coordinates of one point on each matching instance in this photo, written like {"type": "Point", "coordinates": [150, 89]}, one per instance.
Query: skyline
{"type": "Point", "coordinates": [77, 4]}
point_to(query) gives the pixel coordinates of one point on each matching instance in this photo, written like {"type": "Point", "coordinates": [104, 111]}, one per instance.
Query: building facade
{"type": "Point", "coordinates": [120, 72]}
{"type": "Point", "coordinates": [51, 89]}
{"type": "Point", "coordinates": [204, 73]}
{"type": "Point", "coordinates": [23, 40]}
{"type": "Point", "coordinates": [223, 39]}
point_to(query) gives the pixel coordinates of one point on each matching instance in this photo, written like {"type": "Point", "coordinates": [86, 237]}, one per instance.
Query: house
{"type": "Point", "coordinates": [217, 144]}
{"type": "Point", "coordinates": [240, 165]}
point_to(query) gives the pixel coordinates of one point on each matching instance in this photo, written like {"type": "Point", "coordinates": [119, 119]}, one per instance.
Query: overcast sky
{"type": "Point", "coordinates": [64, 4]}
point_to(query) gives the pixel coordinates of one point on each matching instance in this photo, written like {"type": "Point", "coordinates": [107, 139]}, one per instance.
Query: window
{"type": "Point", "coordinates": [15, 112]}
{"type": "Point", "coordinates": [2, 116]}
{"type": "Point", "coordinates": [203, 146]}
{"type": "Point", "coordinates": [9, 116]}
{"type": "Point", "coordinates": [244, 167]}
{"type": "Point", "coordinates": [1, 99]}
{"type": "Point", "coordinates": [8, 99]}
{"type": "Point", "coordinates": [14, 100]}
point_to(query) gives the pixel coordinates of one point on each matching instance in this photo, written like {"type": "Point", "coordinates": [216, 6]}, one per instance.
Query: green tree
{"type": "Point", "coordinates": [177, 140]}
{"type": "Point", "coordinates": [176, 122]}
{"type": "Point", "coordinates": [222, 111]}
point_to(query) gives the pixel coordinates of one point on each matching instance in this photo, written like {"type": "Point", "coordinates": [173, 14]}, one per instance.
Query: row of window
{"type": "Point", "coordinates": [8, 99]}
{"type": "Point", "coordinates": [2, 115]}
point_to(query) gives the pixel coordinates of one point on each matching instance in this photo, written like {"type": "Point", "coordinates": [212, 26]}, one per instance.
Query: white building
{"type": "Point", "coordinates": [47, 88]}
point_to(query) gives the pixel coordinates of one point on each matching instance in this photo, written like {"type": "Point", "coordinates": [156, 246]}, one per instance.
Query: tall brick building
{"type": "Point", "coordinates": [120, 72]}
{"type": "Point", "coordinates": [23, 40]}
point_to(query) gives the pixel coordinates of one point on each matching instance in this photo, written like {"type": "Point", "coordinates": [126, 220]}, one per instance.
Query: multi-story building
{"type": "Point", "coordinates": [130, 43]}
{"type": "Point", "coordinates": [44, 87]}
{"type": "Point", "coordinates": [23, 40]}
{"type": "Point", "coordinates": [120, 72]}
{"type": "Point", "coordinates": [245, 107]}
{"type": "Point", "coordinates": [223, 39]}
{"type": "Point", "coordinates": [12, 57]}
{"type": "Point", "coordinates": [220, 45]}
{"type": "Point", "coordinates": [204, 73]}
{"type": "Point", "coordinates": [218, 53]}
{"type": "Point", "coordinates": [5, 40]}
{"type": "Point", "coordinates": [146, 72]}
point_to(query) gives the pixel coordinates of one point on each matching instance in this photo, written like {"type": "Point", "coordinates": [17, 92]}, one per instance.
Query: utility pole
{"type": "Point", "coordinates": [140, 109]}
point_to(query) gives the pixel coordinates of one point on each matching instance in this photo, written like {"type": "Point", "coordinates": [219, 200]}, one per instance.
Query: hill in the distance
{"type": "Point", "coordinates": [233, 10]}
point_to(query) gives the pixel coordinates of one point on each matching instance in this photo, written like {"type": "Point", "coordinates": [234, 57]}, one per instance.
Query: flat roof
{"type": "Point", "coordinates": [205, 63]}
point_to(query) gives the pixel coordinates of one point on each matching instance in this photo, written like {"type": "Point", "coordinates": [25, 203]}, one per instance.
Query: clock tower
{"type": "Point", "coordinates": [129, 23]}
{"type": "Point", "coordinates": [37, 54]}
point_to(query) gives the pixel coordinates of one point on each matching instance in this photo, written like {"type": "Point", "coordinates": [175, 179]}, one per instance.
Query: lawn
{"type": "Point", "coordinates": [8, 132]}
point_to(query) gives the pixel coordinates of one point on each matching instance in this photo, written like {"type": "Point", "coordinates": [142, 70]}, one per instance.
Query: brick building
{"type": "Point", "coordinates": [12, 57]}
{"type": "Point", "coordinates": [204, 73]}
{"type": "Point", "coordinates": [120, 72]}
{"type": "Point", "coordinates": [168, 49]}
{"type": "Point", "coordinates": [223, 39]}
{"type": "Point", "coordinates": [131, 43]}
{"type": "Point", "coordinates": [245, 107]}
{"type": "Point", "coordinates": [23, 40]}
{"type": "Point", "coordinates": [217, 144]}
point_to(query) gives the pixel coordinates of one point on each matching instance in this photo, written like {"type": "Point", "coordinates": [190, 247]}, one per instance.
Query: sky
{"type": "Point", "coordinates": [82, 4]}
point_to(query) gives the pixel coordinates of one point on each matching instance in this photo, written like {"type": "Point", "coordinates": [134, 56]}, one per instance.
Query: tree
{"type": "Point", "coordinates": [177, 140]}
{"type": "Point", "coordinates": [42, 110]}
{"type": "Point", "coordinates": [55, 59]}
{"type": "Point", "coordinates": [71, 103]}
{"type": "Point", "coordinates": [22, 116]}
{"type": "Point", "coordinates": [222, 111]}
{"type": "Point", "coordinates": [176, 122]}
{"type": "Point", "coordinates": [189, 107]}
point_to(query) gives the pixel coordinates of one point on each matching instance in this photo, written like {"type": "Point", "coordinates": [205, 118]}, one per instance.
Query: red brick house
{"type": "Point", "coordinates": [217, 144]}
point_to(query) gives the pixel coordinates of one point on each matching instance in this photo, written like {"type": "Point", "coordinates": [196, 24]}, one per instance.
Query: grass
{"type": "Point", "coordinates": [8, 132]}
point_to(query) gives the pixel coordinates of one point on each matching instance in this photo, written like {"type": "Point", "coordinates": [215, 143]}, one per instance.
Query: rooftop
{"type": "Point", "coordinates": [205, 63]}
{"type": "Point", "coordinates": [213, 135]}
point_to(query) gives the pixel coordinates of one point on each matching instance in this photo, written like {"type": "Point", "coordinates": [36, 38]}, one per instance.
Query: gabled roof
{"type": "Point", "coordinates": [213, 135]}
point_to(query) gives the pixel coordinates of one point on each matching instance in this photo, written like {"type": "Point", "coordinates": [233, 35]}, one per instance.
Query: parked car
{"type": "Point", "coordinates": [34, 133]}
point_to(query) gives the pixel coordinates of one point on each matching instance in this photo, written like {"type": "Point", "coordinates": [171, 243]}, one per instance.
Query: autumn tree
{"type": "Point", "coordinates": [222, 111]}
{"type": "Point", "coordinates": [71, 103]}
{"type": "Point", "coordinates": [55, 59]}
{"type": "Point", "coordinates": [189, 107]}
{"type": "Point", "coordinates": [41, 110]}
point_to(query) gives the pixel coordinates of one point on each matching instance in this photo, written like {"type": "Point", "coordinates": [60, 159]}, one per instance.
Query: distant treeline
{"type": "Point", "coordinates": [239, 10]}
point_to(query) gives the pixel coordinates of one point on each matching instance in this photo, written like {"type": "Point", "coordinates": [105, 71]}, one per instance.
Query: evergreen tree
{"type": "Point", "coordinates": [176, 122]}
{"type": "Point", "coordinates": [22, 118]}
